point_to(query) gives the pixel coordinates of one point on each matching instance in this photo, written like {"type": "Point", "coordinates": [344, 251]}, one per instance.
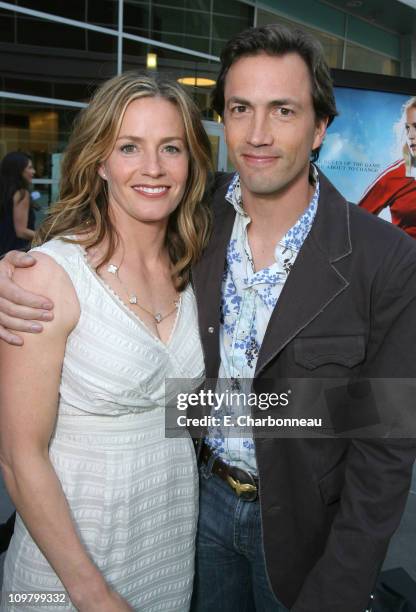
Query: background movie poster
{"type": "Point", "coordinates": [363, 141]}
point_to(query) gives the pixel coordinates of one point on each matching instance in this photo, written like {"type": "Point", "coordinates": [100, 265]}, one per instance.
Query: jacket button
{"type": "Point", "coordinates": [210, 330]}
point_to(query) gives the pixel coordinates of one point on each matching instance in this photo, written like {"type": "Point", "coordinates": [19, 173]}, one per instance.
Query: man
{"type": "Point", "coordinates": [396, 185]}
{"type": "Point", "coordinates": [310, 274]}
{"type": "Point", "coordinates": [295, 283]}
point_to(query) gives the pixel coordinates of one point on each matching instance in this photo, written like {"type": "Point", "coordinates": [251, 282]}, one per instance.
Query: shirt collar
{"type": "Point", "coordinates": [295, 236]}
{"type": "Point", "coordinates": [233, 195]}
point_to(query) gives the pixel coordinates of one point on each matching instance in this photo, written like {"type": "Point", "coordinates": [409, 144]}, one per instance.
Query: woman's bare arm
{"type": "Point", "coordinates": [20, 310]}
{"type": "Point", "coordinates": [29, 389]}
{"type": "Point", "coordinates": [21, 205]}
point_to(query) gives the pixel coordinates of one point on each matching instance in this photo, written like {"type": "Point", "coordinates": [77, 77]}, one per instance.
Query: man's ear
{"type": "Point", "coordinates": [224, 129]}
{"type": "Point", "coordinates": [320, 131]}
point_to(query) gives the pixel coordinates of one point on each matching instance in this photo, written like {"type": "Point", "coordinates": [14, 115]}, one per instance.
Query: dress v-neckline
{"type": "Point", "coordinates": [128, 311]}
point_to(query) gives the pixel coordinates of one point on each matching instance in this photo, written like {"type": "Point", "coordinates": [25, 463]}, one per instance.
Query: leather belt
{"type": "Point", "coordinates": [244, 484]}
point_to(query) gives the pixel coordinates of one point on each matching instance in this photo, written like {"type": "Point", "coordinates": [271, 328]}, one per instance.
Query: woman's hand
{"type": "Point", "coordinates": [112, 603]}
{"type": "Point", "coordinates": [19, 309]}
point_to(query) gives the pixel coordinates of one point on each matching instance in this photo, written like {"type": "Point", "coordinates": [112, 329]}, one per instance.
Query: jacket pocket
{"type": "Point", "coordinates": [331, 484]}
{"type": "Point", "coordinates": [347, 351]}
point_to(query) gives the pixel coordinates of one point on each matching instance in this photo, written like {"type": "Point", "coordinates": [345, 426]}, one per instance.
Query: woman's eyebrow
{"type": "Point", "coordinates": [139, 139]}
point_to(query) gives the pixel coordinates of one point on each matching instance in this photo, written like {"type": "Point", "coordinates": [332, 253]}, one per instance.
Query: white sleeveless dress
{"type": "Point", "coordinates": [132, 492]}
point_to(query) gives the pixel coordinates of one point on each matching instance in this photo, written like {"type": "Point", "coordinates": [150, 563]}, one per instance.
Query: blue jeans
{"type": "Point", "coordinates": [230, 571]}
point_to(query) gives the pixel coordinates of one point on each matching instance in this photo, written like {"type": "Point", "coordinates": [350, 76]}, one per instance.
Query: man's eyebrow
{"type": "Point", "coordinates": [237, 100]}
{"type": "Point", "coordinates": [276, 102]}
{"type": "Point", "coordinates": [284, 102]}
{"type": "Point", "coordinates": [138, 139]}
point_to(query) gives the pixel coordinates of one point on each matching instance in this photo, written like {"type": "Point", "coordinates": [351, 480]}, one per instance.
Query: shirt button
{"type": "Point", "coordinates": [210, 330]}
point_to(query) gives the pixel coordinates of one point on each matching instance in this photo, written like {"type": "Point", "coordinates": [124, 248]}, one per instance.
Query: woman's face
{"type": "Point", "coordinates": [29, 172]}
{"type": "Point", "coordinates": [147, 170]}
{"type": "Point", "coordinates": [410, 128]}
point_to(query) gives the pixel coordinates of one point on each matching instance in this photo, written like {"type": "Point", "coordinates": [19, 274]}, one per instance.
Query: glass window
{"type": "Point", "coordinates": [6, 26]}
{"type": "Point", "coordinates": [235, 9]}
{"type": "Point", "coordinates": [180, 23]}
{"type": "Point", "coordinates": [333, 46]}
{"type": "Point", "coordinates": [167, 20]}
{"type": "Point", "coordinates": [71, 10]}
{"type": "Point", "coordinates": [43, 195]}
{"type": "Point", "coordinates": [201, 5]}
{"type": "Point", "coordinates": [102, 12]}
{"type": "Point", "coordinates": [39, 129]}
{"type": "Point", "coordinates": [57, 60]}
{"type": "Point", "coordinates": [34, 31]}
{"type": "Point", "coordinates": [98, 12]}
{"type": "Point", "coordinates": [137, 18]}
{"type": "Point", "coordinates": [176, 65]}
{"type": "Point", "coordinates": [195, 43]}
{"type": "Point", "coordinates": [176, 26]}
{"type": "Point", "coordinates": [188, 23]}
{"type": "Point", "coordinates": [217, 46]}
{"type": "Point", "coordinates": [225, 27]}
{"type": "Point", "coordinates": [359, 58]}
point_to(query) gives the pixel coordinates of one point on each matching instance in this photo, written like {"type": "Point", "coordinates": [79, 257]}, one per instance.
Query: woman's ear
{"type": "Point", "coordinates": [101, 172]}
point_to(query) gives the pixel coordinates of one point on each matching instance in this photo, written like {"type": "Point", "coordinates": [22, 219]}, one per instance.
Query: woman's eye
{"type": "Point", "coordinates": [128, 148]}
{"type": "Point", "coordinates": [171, 149]}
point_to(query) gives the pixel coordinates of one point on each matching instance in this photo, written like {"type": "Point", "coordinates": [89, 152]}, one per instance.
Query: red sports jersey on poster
{"type": "Point", "coordinates": [396, 190]}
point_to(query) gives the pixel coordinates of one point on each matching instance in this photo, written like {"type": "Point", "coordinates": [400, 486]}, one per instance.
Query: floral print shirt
{"type": "Point", "coordinates": [248, 299]}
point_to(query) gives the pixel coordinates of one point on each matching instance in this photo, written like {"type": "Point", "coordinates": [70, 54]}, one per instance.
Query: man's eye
{"type": "Point", "coordinates": [285, 112]}
{"type": "Point", "coordinates": [128, 148]}
{"type": "Point", "coordinates": [240, 108]}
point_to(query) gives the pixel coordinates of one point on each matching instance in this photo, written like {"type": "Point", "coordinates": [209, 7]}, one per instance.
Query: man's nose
{"type": "Point", "coordinates": [259, 133]}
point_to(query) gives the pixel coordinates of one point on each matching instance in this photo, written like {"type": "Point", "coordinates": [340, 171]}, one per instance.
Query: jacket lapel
{"type": "Point", "coordinates": [314, 280]}
{"type": "Point", "coordinates": [207, 277]}
{"type": "Point", "coordinates": [312, 284]}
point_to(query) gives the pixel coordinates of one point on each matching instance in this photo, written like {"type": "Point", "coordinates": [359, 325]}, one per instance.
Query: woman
{"type": "Point", "coordinates": [107, 505]}
{"type": "Point", "coordinates": [17, 217]}
{"type": "Point", "coordinates": [396, 186]}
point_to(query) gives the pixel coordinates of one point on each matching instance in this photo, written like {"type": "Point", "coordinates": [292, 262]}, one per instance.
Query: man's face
{"type": "Point", "coordinates": [411, 130]}
{"type": "Point", "coordinates": [270, 124]}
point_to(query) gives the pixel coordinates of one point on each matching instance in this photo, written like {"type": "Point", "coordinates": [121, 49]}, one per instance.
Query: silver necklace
{"type": "Point", "coordinates": [132, 297]}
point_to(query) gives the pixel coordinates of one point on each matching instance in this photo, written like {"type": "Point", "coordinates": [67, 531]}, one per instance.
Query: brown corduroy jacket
{"type": "Point", "coordinates": [329, 504]}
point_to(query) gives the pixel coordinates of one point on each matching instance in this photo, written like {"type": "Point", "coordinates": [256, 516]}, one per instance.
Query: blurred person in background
{"type": "Point", "coordinates": [6, 532]}
{"type": "Point", "coordinates": [17, 215]}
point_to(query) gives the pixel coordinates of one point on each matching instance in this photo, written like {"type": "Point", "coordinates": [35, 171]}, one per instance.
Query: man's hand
{"type": "Point", "coordinates": [19, 309]}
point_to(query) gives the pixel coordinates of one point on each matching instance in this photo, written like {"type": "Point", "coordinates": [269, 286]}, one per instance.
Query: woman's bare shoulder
{"type": "Point", "coordinates": [48, 278]}
{"type": "Point", "coordinates": [21, 196]}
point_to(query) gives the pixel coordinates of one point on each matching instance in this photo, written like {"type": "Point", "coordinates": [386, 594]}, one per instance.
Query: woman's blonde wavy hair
{"type": "Point", "coordinates": [82, 208]}
{"type": "Point", "coordinates": [400, 130]}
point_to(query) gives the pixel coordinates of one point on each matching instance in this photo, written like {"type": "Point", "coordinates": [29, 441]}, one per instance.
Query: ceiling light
{"type": "Point", "coordinates": [151, 60]}
{"type": "Point", "coordinates": [196, 81]}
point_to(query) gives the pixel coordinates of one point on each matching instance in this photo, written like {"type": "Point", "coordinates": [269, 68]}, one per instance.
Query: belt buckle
{"type": "Point", "coordinates": [245, 491]}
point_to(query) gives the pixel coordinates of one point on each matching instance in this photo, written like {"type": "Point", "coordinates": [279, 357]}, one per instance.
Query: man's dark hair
{"type": "Point", "coordinates": [277, 39]}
